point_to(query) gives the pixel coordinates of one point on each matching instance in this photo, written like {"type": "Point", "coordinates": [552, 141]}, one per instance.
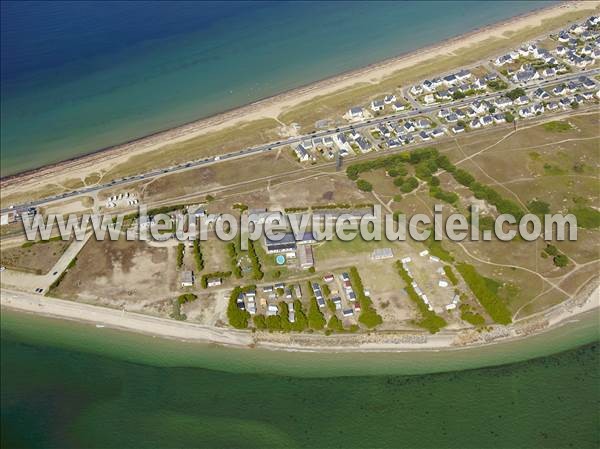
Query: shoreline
{"type": "Point", "coordinates": [282, 101]}
{"type": "Point", "coordinates": [377, 342]}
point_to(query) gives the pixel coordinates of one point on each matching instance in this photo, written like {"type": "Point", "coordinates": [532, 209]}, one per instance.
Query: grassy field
{"type": "Point", "coordinates": [34, 257]}
{"type": "Point", "coordinates": [209, 144]}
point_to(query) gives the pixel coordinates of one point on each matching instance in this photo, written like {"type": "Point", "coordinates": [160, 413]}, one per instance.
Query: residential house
{"type": "Point", "coordinates": [586, 82]}
{"type": "Point", "coordinates": [443, 95]}
{"type": "Point", "coordinates": [363, 144]}
{"type": "Point", "coordinates": [499, 118]}
{"type": "Point", "coordinates": [526, 112]}
{"type": "Point", "coordinates": [377, 105]}
{"type": "Point", "coordinates": [443, 113]}
{"type": "Point", "coordinates": [504, 59]}
{"type": "Point", "coordinates": [524, 76]}
{"type": "Point", "coordinates": [417, 89]}
{"type": "Point", "coordinates": [305, 257]}
{"type": "Point", "coordinates": [541, 94]}
{"type": "Point", "coordinates": [522, 100]}
{"type": "Point", "coordinates": [503, 102]}
{"type": "Point", "coordinates": [561, 51]}
{"type": "Point", "coordinates": [409, 126]}
{"type": "Point", "coordinates": [301, 153]}
{"type": "Point", "coordinates": [452, 118]}
{"type": "Point", "coordinates": [389, 99]}
{"type": "Point", "coordinates": [187, 278]}
{"type": "Point", "coordinates": [463, 75]}
{"type": "Point", "coordinates": [479, 106]}
{"type": "Point", "coordinates": [460, 114]}
{"type": "Point", "coordinates": [449, 80]}
{"type": "Point", "coordinates": [437, 132]}
{"type": "Point", "coordinates": [560, 90]}
{"type": "Point", "coordinates": [342, 142]}
{"type": "Point", "coordinates": [429, 99]}
{"type": "Point", "coordinates": [356, 113]}
{"type": "Point", "coordinates": [486, 120]}
{"type": "Point", "coordinates": [214, 282]}
{"type": "Point", "coordinates": [423, 124]}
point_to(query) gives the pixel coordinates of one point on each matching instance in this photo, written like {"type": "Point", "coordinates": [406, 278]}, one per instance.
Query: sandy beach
{"type": "Point", "coordinates": [272, 107]}
{"type": "Point", "coordinates": [588, 300]}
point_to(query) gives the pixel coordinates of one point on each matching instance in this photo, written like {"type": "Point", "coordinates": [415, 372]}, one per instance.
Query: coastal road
{"type": "Point", "coordinates": [420, 111]}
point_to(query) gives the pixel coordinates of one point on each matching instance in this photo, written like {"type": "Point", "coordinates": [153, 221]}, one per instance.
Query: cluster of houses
{"type": "Point", "coordinates": [580, 47]}
{"type": "Point", "coordinates": [267, 301]}
{"type": "Point", "coordinates": [482, 113]}
{"type": "Point", "coordinates": [396, 134]}
{"type": "Point", "coordinates": [393, 133]}
{"type": "Point", "coordinates": [446, 88]}
{"type": "Point", "coordinates": [350, 297]}
{"type": "Point", "coordinates": [125, 198]}
{"type": "Point", "coordinates": [250, 301]}
{"type": "Point", "coordinates": [377, 105]}
{"type": "Point", "coordinates": [580, 43]}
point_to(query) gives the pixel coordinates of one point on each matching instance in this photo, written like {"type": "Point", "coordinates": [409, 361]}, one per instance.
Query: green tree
{"type": "Point", "coordinates": [335, 324]}
{"type": "Point", "coordinates": [259, 322]}
{"type": "Point", "coordinates": [316, 320]}
{"type": "Point", "coordinates": [237, 318]}
{"type": "Point", "coordinates": [180, 252]}
{"type": "Point", "coordinates": [301, 319]}
{"type": "Point", "coordinates": [363, 185]}
{"type": "Point", "coordinates": [515, 93]}
{"type": "Point", "coordinates": [560, 260]}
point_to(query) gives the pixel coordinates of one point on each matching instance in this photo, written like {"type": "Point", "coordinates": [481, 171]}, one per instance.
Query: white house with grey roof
{"type": "Point", "coordinates": [356, 113]}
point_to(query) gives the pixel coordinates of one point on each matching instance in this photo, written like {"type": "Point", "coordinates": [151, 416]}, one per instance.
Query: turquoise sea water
{"type": "Point", "coordinates": [80, 76]}
{"type": "Point", "coordinates": [72, 385]}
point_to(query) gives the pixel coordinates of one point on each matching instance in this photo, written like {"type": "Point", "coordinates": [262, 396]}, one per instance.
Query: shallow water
{"type": "Point", "coordinates": [61, 387]}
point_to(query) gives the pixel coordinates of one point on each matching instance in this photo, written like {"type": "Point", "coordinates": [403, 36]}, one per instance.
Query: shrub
{"type": "Point", "coordinates": [180, 251]}
{"type": "Point", "coordinates": [316, 320]}
{"type": "Point", "coordinates": [560, 260]}
{"type": "Point", "coordinates": [587, 217]}
{"type": "Point", "coordinates": [515, 93]}
{"type": "Point", "coordinates": [409, 185]}
{"type": "Point", "coordinates": [187, 297]}
{"type": "Point", "coordinates": [237, 318]}
{"type": "Point", "coordinates": [450, 274]}
{"type": "Point", "coordinates": [368, 316]}
{"type": "Point", "coordinates": [363, 185]}
{"type": "Point", "coordinates": [335, 324]}
{"type": "Point", "coordinates": [198, 256]}
{"type": "Point", "coordinates": [480, 287]}
{"type": "Point", "coordinates": [538, 207]}
{"type": "Point", "coordinates": [463, 177]}
{"type": "Point", "coordinates": [255, 261]}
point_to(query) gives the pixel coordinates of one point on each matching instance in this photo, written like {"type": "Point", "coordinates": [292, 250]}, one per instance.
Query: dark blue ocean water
{"type": "Point", "coordinates": [79, 76]}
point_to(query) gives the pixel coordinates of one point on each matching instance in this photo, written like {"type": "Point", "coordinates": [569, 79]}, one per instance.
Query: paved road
{"type": "Point", "coordinates": [421, 110]}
